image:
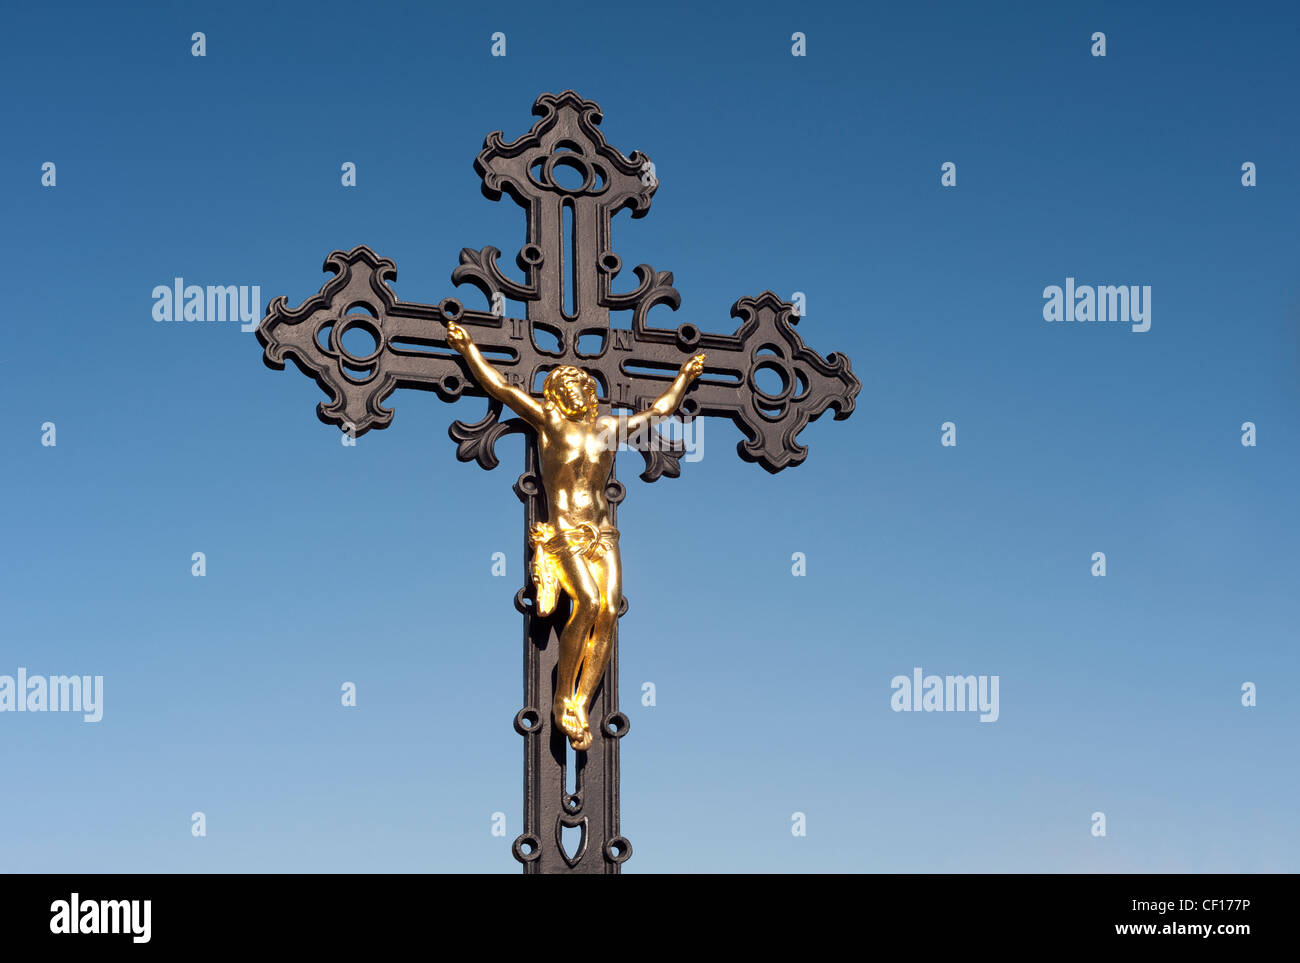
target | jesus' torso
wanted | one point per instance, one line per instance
(576, 458)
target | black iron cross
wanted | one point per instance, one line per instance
(571, 183)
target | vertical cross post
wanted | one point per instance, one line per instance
(562, 788)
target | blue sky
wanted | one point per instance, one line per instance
(818, 174)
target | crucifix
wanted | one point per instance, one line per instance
(553, 368)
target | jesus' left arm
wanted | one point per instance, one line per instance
(668, 402)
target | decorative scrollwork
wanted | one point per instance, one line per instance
(294, 333)
(476, 441)
(479, 268)
(566, 120)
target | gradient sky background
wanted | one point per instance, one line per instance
(820, 174)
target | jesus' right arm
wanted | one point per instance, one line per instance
(491, 380)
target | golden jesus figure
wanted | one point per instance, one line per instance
(577, 547)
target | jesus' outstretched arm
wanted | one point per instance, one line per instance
(490, 379)
(668, 402)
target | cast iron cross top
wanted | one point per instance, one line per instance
(571, 183)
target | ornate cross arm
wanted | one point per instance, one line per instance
(410, 348)
(410, 351)
(766, 341)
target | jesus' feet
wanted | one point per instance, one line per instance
(573, 720)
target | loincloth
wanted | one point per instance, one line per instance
(550, 545)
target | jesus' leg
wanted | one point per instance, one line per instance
(581, 586)
(608, 574)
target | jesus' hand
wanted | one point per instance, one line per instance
(693, 368)
(457, 337)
